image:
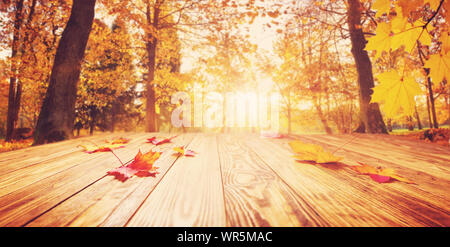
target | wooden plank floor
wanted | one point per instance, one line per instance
(235, 180)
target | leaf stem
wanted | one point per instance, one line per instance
(117, 157)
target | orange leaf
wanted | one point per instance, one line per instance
(379, 174)
(121, 141)
(182, 151)
(105, 148)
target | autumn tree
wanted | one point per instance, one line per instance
(419, 28)
(32, 43)
(372, 121)
(107, 74)
(57, 115)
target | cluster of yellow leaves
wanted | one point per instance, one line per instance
(14, 145)
(397, 89)
(312, 152)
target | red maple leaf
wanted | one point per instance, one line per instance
(154, 141)
(141, 166)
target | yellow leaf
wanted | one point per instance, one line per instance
(179, 150)
(381, 6)
(396, 92)
(439, 66)
(387, 172)
(445, 42)
(407, 35)
(312, 152)
(399, 23)
(382, 40)
(392, 173)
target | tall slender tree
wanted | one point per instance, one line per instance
(14, 86)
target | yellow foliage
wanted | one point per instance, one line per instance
(381, 6)
(312, 152)
(382, 40)
(439, 65)
(14, 145)
(397, 93)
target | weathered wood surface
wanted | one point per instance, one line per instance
(235, 180)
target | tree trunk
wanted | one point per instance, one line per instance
(151, 45)
(322, 117)
(113, 117)
(410, 123)
(430, 122)
(369, 112)
(431, 97)
(57, 114)
(389, 125)
(14, 85)
(419, 124)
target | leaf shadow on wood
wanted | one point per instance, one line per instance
(332, 166)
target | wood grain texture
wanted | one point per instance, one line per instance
(23, 205)
(110, 202)
(18, 159)
(47, 167)
(404, 204)
(254, 194)
(235, 180)
(190, 194)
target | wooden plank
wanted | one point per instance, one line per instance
(402, 152)
(23, 205)
(367, 202)
(30, 174)
(22, 153)
(191, 192)
(254, 194)
(110, 202)
(12, 161)
(429, 172)
(327, 197)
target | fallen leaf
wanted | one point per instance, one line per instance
(380, 178)
(313, 152)
(273, 135)
(379, 174)
(141, 166)
(105, 148)
(154, 141)
(186, 152)
(121, 141)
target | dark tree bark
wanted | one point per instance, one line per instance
(419, 123)
(371, 119)
(57, 114)
(15, 89)
(431, 97)
(430, 122)
(151, 45)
